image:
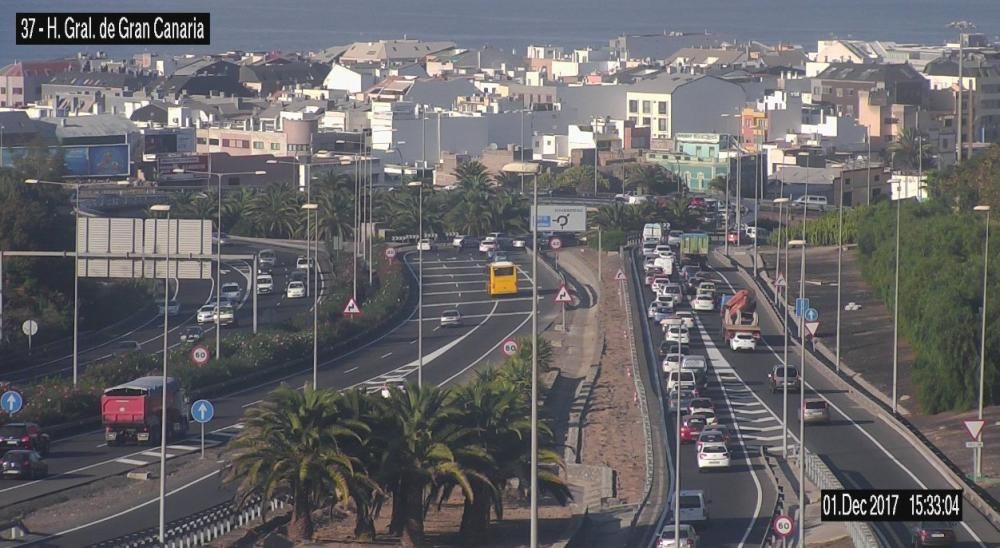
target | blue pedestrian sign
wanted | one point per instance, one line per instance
(801, 305)
(11, 401)
(812, 315)
(202, 411)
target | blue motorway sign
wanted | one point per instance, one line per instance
(812, 315)
(11, 401)
(202, 411)
(801, 305)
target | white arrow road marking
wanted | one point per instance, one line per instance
(132, 462)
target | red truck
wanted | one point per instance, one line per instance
(738, 315)
(131, 412)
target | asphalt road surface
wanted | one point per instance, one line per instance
(452, 280)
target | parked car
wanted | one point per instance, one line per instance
(777, 379)
(934, 533)
(24, 435)
(295, 290)
(685, 534)
(191, 334)
(816, 411)
(173, 308)
(232, 291)
(24, 464)
(743, 341)
(451, 318)
(713, 456)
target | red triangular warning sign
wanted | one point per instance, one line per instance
(974, 427)
(620, 276)
(352, 308)
(780, 281)
(563, 295)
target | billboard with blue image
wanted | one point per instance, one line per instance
(81, 161)
(108, 161)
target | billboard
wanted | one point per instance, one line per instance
(560, 218)
(83, 160)
(133, 241)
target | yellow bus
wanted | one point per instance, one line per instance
(503, 279)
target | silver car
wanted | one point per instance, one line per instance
(451, 318)
(816, 411)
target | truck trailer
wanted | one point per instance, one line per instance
(132, 412)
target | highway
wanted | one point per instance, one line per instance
(452, 280)
(190, 294)
(860, 448)
(741, 497)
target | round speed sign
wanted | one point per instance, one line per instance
(390, 252)
(199, 355)
(510, 347)
(783, 526)
(555, 243)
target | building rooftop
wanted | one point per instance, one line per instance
(665, 83)
(393, 50)
(973, 66)
(99, 125)
(97, 80)
(869, 72)
(34, 68)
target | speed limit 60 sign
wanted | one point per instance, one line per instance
(510, 347)
(199, 355)
(783, 526)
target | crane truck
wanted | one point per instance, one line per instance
(739, 315)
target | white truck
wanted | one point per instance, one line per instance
(665, 263)
(655, 231)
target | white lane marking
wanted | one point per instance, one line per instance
(413, 341)
(183, 447)
(134, 508)
(854, 423)
(490, 301)
(467, 316)
(426, 294)
(386, 355)
(717, 358)
(436, 328)
(133, 462)
(355, 368)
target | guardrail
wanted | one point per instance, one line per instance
(862, 535)
(201, 528)
(979, 497)
(771, 539)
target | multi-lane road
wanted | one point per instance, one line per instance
(859, 447)
(452, 280)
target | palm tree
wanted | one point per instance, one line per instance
(615, 216)
(421, 436)
(472, 174)
(276, 211)
(649, 179)
(908, 150)
(681, 216)
(293, 443)
(508, 181)
(336, 213)
(719, 184)
(236, 210)
(508, 213)
(471, 215)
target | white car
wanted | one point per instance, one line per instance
(295, 290)
(267, 257)
(693, 506)
(677, 333)
(671, 362)
(673, 289)
(703, 303)
(695, 363)
(686, 317)
(519, 243)
(304, 263)
(227, 315)
(486, 247)
(675, 237)
(265, 284)
(714, 455)
(451, 318)
(456, 242)
(711, 420)
(425, 245)
(715, 436)
(685, 535)
(663, 250)
(665, 299)
(651, 311)
(708, 287)
(231, 292)
(662, 312)
(649, 249)
(173, 308)
(658, 282)
(206, 314)
(743, 341)
(685, 379)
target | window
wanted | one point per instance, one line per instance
(852, 92)
(661, 124)
(200, 140)
(18, 91)
(225, 142)
(244, 144)
(840, 92)
(3, 90)
(275, 146)
(646, 107)
(633, 105)
(258, 145)
(213, 141)
(646, 121)
(633, 119)
(662, 106)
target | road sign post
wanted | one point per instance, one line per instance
(390, 253)
(812, 327)
(782, 526)
(29, 328)
(11, 401)
(352, 309)
(555, 243)
(563, 297)
(200, 355)
(975, 429)
(620, 277)
(202, 411)
(801, 305)
(812, 315)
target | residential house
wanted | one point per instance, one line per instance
(700, 60)
(840, 83)
(353, 79)
(267, 79)
(981, 91)
(21, 82)
(700, 157)
(658, 46)
(91, 92)
(683, 103)
(392, 52)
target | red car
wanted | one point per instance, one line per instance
(657, 273)
(690, 429)
(733, 238)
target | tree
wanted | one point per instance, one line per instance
(292, 443)
(616, 216)
(681, 216)
(908, 152)
(511, 181)
(581, 178)
(508, 213)
(276, 211)
(472, 174)
(650, 179)
(719, 184)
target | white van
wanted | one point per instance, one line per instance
(265, 284)
(687, 381)
(811, 201)
(753, 231)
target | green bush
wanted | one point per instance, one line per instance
(611, 240)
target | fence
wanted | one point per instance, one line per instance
(200, 528)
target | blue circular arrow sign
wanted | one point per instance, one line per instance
(202, 411)
(11, 401)
(812, 315)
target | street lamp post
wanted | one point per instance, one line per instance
(802, 393)
(534, 365)
(76, 264)
(784, 363)
(977, 471)
(895, 315)
(420, 280)
(311, 207)
(840, 260)
(777, 248)
(165, 208)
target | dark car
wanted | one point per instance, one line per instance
(934, 533)
(23, 463)
(670, 348)
(24, 435)
(562, 191)
(777, 380)
(297, 276)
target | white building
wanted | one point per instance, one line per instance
(684, 103)
(908, 186)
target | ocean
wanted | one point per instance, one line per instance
(305, 25)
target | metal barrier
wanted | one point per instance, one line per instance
(200, 528)
(862, 535)
(771, 538)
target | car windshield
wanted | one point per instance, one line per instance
(450, 314)
(8, 430)
(792, 372)
(690, 501)
(710, 437)
(815, 405)
(695, 422)
(230, 287)
(296, 285)
(668, 532)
